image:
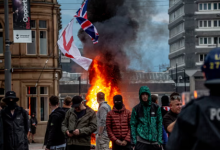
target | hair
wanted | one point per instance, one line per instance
(154, 98)
(67, 100)
(54, 100)
(174, 94)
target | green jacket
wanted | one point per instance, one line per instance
(146, 120)
(87, 124)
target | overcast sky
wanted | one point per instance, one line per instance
(159, 50)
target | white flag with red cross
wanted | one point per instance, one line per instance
(68, 48)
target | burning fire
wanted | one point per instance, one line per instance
(102, 80)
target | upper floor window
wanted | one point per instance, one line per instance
(209, 23)
(176, 14)
(177, 45)
(209, 6)
(209, 41)
(39, 37)
(173, 2)
(176, 30)
(202, 57)
(1, 40)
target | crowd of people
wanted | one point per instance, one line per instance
(147, 127)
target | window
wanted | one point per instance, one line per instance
(32, 99)
(215, 6)
(209, 23)
(31, 47)
(202, 57)
(1, 40)
(215, 23)
(215, 40)
(209, 6)
(43, 42)
(201, 41)
(205, 6)
(176, 30)
(176, 14)
(177, 45)
(200, 23)
(44, 104)
(42, 24)
(209, 40)
(200, 7)
(39, 38)
(205, 23)
(205, 40)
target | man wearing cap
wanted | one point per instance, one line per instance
(102, 140)
(79, 124)
(198, 124)
(15, 124)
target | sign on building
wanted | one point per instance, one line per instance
(21, 21)
(65, 59)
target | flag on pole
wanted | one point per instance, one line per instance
(68, 48)
(87, 26)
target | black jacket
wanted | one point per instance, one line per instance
(15, 129)
(163, 111)
(198, 126)
(33, 120)
(54, 135)
(1, 133)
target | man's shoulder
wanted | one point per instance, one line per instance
(89, 110)
(138, 106)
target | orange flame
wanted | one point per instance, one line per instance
(195, 94)
(101, 83)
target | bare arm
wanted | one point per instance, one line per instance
(170, 127)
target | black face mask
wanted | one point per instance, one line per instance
(11, 105)
(118, 105)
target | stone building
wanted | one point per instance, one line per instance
(36, 70)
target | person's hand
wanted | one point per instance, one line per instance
(69, 134)
(124, 143)
(76, 132)
(118, 142)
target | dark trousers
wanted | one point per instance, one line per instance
(142, 146)
(77, 147)
(118, 147)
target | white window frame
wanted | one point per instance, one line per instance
(39, 42)
(212, 6)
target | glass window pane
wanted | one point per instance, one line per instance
(201, 57)
(43, 90)
(32, 105)
(31, 90)
(205, 23)
(205, 6)
(31, 47)
(1, 43)
(43, 108)
(33, 24)
(215, 6)
(209, 6)
(210, 23)
(200, 6)
(2, 91)
(205, 40)
(215, 40)
(215, 23)
(0, 26)
(43, 42)
(200, 23)
(209, 40)
(43, 24)
(218, 5)
(219, 23)
(201, 41)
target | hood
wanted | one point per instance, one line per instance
(145, 89)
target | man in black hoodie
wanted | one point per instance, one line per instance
(54, 138)
(198, 124)
(15, 124)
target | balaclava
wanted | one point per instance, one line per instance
(11, 104)
(119, 103)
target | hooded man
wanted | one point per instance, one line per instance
(118, 125)
(15, 124)
(146, 123)
(198, 124)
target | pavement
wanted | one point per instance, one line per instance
(36, 146)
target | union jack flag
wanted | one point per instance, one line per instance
(86, 25)
(167, 108)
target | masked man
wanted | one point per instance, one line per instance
(15, 124)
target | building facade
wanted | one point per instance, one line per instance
(36, 69)
(194, 30)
